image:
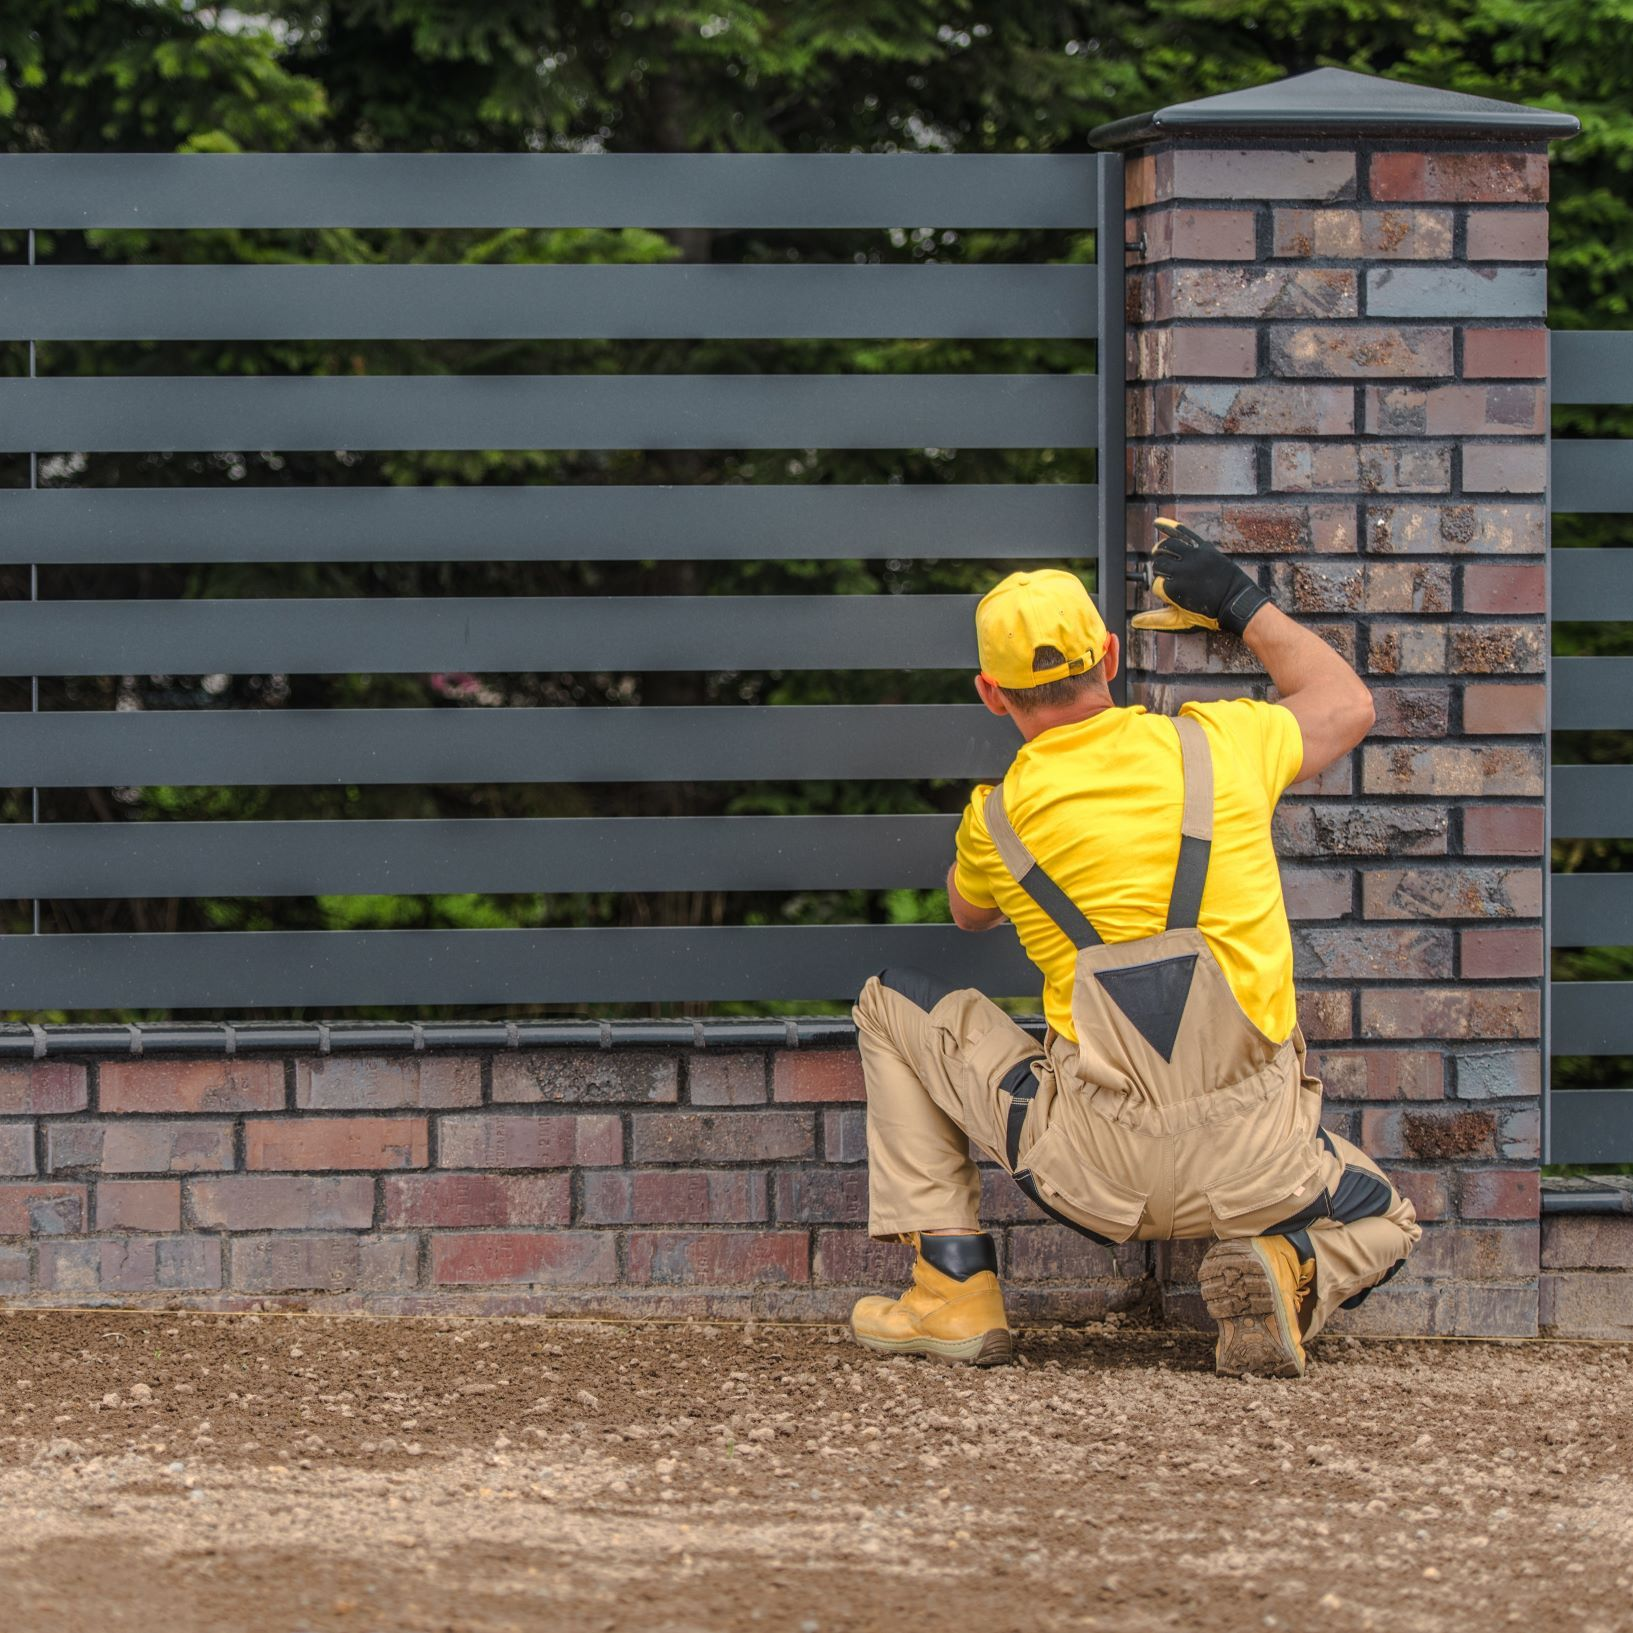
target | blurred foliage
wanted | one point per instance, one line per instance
(663, 75)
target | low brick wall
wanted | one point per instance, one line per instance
(1587, 1276)
(621, 1182)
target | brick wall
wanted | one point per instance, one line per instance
(617, 1182)
(1338, 359)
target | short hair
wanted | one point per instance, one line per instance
(1053, 694)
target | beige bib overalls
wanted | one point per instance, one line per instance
(1172, 1116)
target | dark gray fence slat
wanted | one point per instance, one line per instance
(1591, 366)
(521, 633)
(548, 190)
(1590, 1018)
(1591, 1125)
(200, 414)
(546, 302)
(1590, 476)
(291, 747)
(1592, 910)
(1591, 801)
(236, 971)
(1592, 585)
(1592, 694)
(985, 521)
(117, 860)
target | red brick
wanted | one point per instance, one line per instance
(138, 1204)
(717, 1258)
(818, 1074)
(851, 1258)
(16, 1148)
(1255, 173)
(1456, 411)
(365, 1083)
(191, 1085)
(564, 1140)
(42, 1087)
(1499, 1193)
(1500, 955)
(1317, 893)
(1456, 892)
(302, 1143)
(1502, 587)
(140, 1146)
(14, 1270)
(1324, 1013)
(1505, 354)
(1581, 1241)
(1199, 235)
(1587, 1305)
(1492, 467)
(1450, 1012)
(1193, 468)
(726, 1080)
(1372, 235)
(572, 1258)
(1359, 586)
(1486, 1312)
(1459, 178)
(1497, 649)
(1508, 235)
(327, 1264)
(1373, 351)
(1452, 769)
(1411, 711)
(1380, 1074)
(586, 1077)
(1456, 529)
(1361, 830)
(845, 1135)
(1215, 351)
(1337, 778)
(41, 1210)
(727, 1136)
(1053, 1253)
(1505, 710)
(1496, 1253)
(69, 1267)
(1428, 1133)
(1262, 408)
(1503, 830)
(675, 1197)
(1427, 1189)
(471, 1201)
(153, 1264)
(837, 1196)
(282, 1202)
(1352, 952)
(1360, 467)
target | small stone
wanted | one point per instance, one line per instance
(141, 1394)
(1430, 1574)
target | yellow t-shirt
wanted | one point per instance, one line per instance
(1098, 803)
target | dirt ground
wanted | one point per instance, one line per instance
(286, 1473)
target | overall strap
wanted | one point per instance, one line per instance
(1056, 904)
(1196, 827)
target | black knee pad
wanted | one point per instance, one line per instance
(914, 985)
(1359, 1195)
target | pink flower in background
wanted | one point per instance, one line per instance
(456, 684)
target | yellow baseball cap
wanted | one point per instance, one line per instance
(1029, 610)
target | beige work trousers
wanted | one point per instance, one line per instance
(933, 1078)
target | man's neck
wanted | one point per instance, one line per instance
(1034, 723)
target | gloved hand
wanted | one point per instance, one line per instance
(1202, 586)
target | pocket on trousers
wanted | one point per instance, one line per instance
(1268, 1191)
(1067, 1182)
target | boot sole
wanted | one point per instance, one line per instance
(988, 1349)
(1240, 1292)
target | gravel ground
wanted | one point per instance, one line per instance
(279, 1473)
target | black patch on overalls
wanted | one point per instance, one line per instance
(915, 986)
(1359, 1195)
(1153, 997)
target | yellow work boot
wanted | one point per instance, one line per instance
(954, 1309)
(1256, 1288)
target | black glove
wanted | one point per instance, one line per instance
(1202, 586)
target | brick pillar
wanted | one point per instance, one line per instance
(1337, 364)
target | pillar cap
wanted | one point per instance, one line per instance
(1337, 102)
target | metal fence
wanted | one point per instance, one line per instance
(1591, 801)
(238, 970)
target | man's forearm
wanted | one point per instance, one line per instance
(1332, 704)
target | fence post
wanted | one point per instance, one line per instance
(1337, 364)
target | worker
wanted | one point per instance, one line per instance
(1170, 1096)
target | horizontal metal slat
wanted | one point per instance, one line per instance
(1590, 1125)
(1590, 1018)
(200, 414)
(546, 302)
(1591, 910)
(1592, 694)
(1591, 366)
(122, 860)
(549, 190)
(782, 522)
(1592, 585)
(522, 633)
(236, 970)
(292, 747)
(1591, 801)
(1590, 476)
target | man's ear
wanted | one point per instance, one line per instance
(1112, 659)
(989, 694)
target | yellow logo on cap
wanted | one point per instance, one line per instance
(1028, 610)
